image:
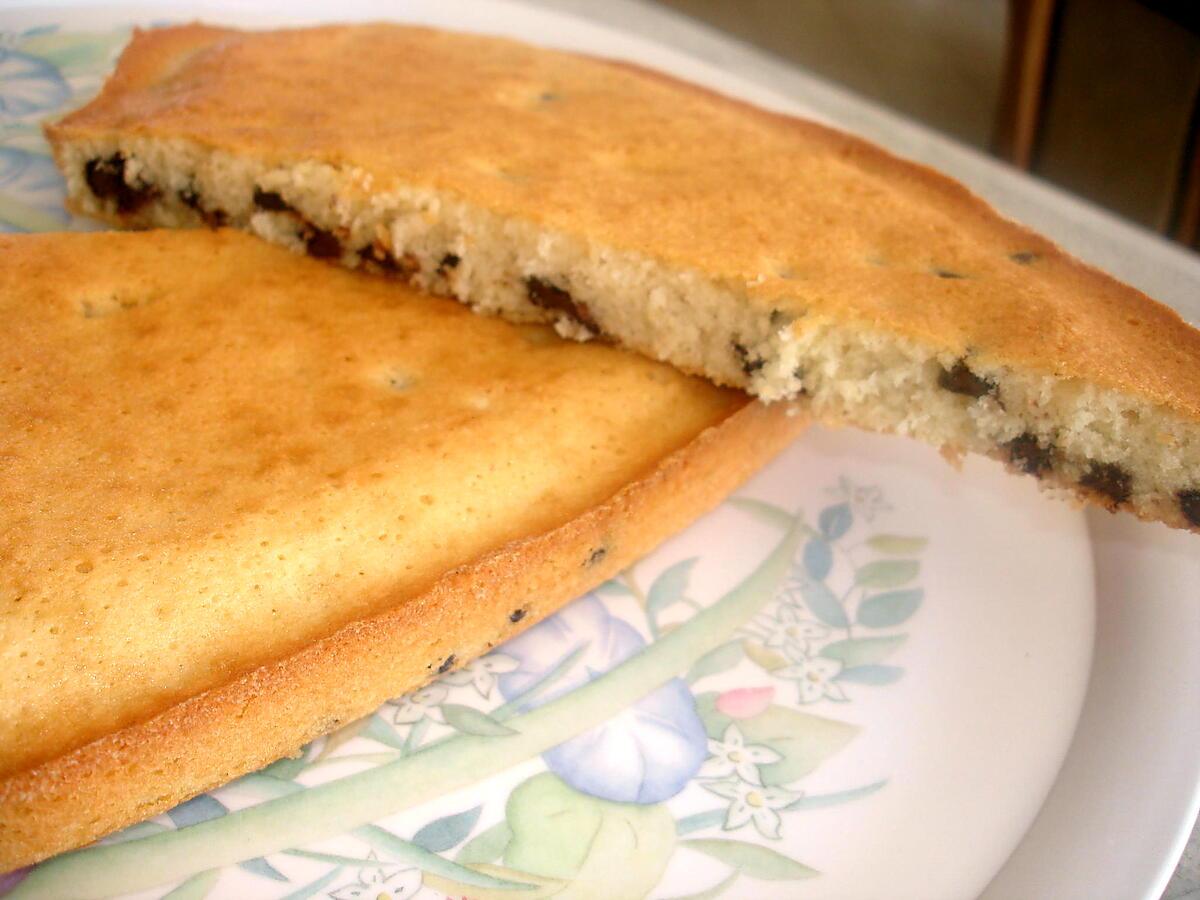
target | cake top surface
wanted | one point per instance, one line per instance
(800, 218)
(213, 452)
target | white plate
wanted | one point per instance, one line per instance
(911, 767)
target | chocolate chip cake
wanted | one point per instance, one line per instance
(245, 497)
(759, 250)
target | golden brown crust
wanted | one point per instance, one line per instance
(807, 219)
(197, 430)
(270, 712)
(1134, 343)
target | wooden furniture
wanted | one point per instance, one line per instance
(1167, 198)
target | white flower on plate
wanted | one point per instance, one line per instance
(752, 803)
(791, 632)
(733, 756)
(422, 704)
(814, 676)
(866, 500)
(482, 672)
(375, 885)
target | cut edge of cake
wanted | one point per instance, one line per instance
(1100, 444)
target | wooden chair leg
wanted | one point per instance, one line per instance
(1187, 199)
(1027, 57)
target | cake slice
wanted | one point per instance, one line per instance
(761, 251)
(245, 497)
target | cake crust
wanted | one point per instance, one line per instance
(248, 496)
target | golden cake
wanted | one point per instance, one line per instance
(759, 250)
(245, 496)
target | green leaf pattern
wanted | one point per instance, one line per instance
(827, 634)
(753, 860)
(447, 832)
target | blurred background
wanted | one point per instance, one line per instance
(1099, 96)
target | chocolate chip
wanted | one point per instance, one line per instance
(106, 178)
(546, 295)
(322, 244)
(446, 665)
(748, 364)
(406, 266)
(798, 375)
(1024, 257)
(516, 615)
(1189, 503)
(946, 273)
(189, 198)
(1027, 454)
(131, 199)
(449, 261)
(213, 218)
(1110, 480)
(377, 255)
(597, 556)
(961, 380)
(271, 201)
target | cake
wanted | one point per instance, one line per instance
(760, 251)
(246, 496)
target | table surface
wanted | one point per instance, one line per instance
(1161, 269)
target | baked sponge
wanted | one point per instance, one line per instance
(758, 250)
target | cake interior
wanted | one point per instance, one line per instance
(1115, 449)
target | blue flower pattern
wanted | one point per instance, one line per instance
(34, 88)
(34, 179)
(646, 754)
(29, 85)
